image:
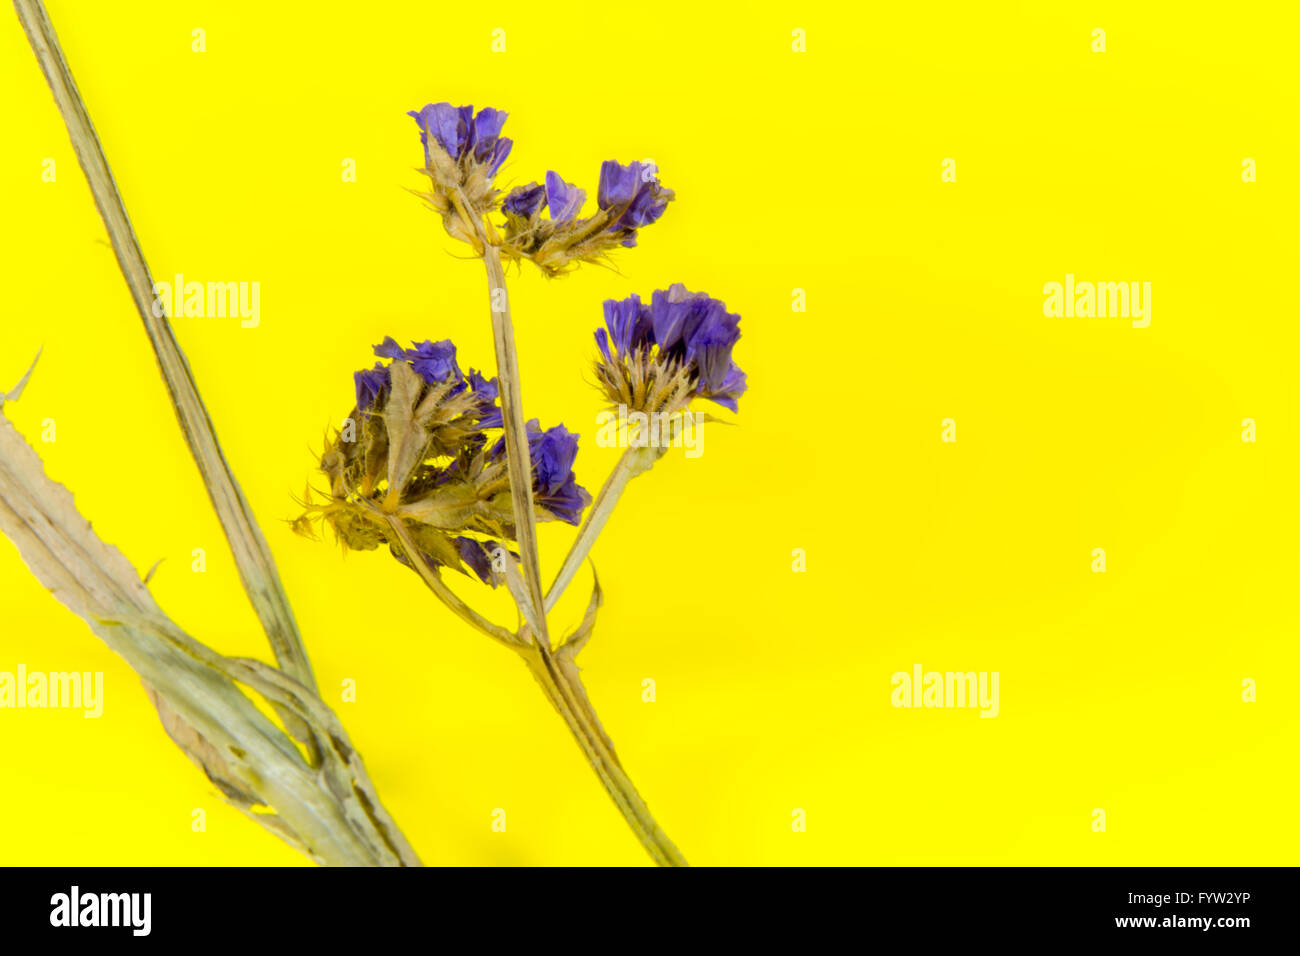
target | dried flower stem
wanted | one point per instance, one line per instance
(557, 674)
(519, 461)
(435, 584)
(555, 669)
(633, 462)
(324, 804)
(253, 558)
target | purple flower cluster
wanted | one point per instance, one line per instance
(462, 133)
(555, 486)
(524, 201)
(463, 152)
(687, 327)
(553, 451)
(564, 200)
(433, 362)
(632, 194)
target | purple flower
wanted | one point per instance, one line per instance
(447, 124)
(618, 183)
(552, 453)
(555, 487)
(487, 142)
(460, 133)
(634, 194)
(434, 361)
(485, 390)
(389, 348)
(678, 314)
(371, 384)
(474, 555)
(688, 326)
(477, 555)
(629, 327)
(563, 199)
(698, 327)
(524, 201)
(733, 386)
(701, 330)
(567, 502)
(710, 347)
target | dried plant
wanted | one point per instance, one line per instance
(303, 780)
(418, 465)
(438, 465)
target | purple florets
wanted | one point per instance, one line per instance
(477, 556)
(633, 194)
(552, 451)
(433, 362)
(485, 390)
(555, 486)
(690, 327)
(564, 200)
(523, 201)
(629, 327)
(461, 133)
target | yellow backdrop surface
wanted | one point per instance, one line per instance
(807, 146)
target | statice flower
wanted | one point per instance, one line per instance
(628, 198)
(555, 486)
(371, 386)
(462, 135)
(564, 200)
(632, 197)
(657, 357)
(463, 152)
(487, 393)
(524, 201)
(423, 448)
(433, 361)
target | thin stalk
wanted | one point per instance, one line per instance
(570, 699)
(554, 670)
(445, 594)
(253, 558)
(628, 467)
(518, 458)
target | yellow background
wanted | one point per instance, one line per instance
(818, 171)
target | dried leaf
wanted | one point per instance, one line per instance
(14, 393)
(328, 809)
